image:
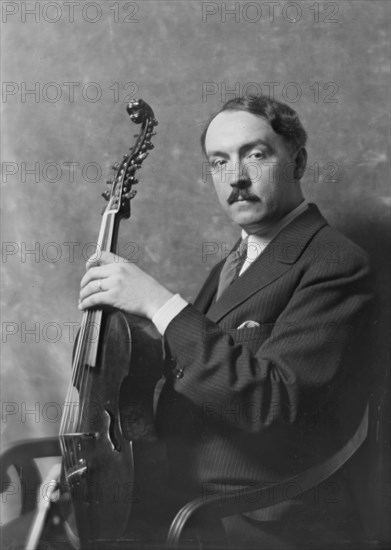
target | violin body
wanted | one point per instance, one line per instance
(100, 457)
(105, 489)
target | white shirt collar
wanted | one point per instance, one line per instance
(268, 236)
(258, 242)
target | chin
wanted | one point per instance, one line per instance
(247, 220)
(248, 216)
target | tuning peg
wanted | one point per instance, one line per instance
(131, 180)
(106, 195)
(150, 146)
(115, 166)
(109, 182)
(131, 194)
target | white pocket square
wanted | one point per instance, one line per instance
(248, 324)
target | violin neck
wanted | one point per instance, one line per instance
(92, 320)
(108, 234)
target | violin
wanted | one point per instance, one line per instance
(109, 401)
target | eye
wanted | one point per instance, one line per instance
(218, 162)
(257, 155)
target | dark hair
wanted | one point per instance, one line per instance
(284, 120)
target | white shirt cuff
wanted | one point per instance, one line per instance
(167, 312)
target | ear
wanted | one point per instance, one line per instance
(300, 163)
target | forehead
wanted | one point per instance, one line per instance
(230, 130)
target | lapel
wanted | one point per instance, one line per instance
(277, 258)
(209, 289)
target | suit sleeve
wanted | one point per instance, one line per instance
(302, 357)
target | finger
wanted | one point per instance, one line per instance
(94, 300)
(94, 273)
(101, 257)
(94, 287)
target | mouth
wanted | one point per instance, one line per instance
(243, 198)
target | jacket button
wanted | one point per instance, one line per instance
(179, 373)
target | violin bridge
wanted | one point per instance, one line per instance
(82, 435)
(76, 471)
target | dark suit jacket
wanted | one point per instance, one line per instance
(266, 402)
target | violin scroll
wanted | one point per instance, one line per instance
(138, 111)
(120, 193)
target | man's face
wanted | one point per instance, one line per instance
(252, 169)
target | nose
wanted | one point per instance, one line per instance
(241, 183)
(240, 177)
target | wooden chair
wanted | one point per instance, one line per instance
(198, 512)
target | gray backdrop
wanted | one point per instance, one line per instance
(68, 70)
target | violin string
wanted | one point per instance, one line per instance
(78, 383)
(82, 365)
(93, 327)
(89, 361)
(91, 342)
(79, 377)
(73, 411)
(67, 420)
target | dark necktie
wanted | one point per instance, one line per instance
(231, 268)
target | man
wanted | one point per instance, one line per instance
(262, 375)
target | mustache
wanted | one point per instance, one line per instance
(238, 192)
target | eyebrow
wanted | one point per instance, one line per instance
(243, 148)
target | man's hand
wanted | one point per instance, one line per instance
(112, 281)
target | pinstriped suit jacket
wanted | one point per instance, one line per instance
(266, 402)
